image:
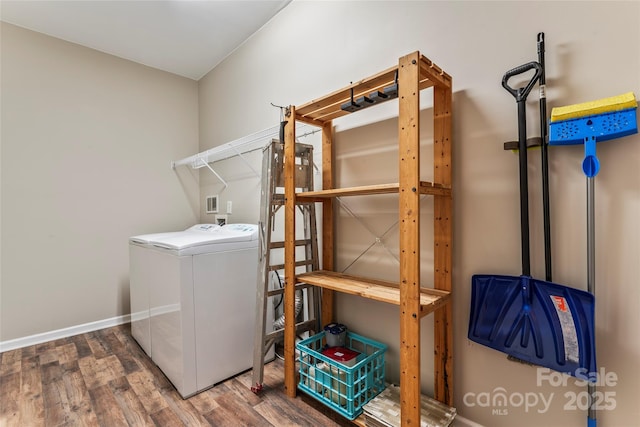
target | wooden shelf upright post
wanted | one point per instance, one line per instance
(327, 218)
(443, 244)
(289, 251)
(409, 210)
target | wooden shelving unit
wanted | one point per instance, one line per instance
(413, 74)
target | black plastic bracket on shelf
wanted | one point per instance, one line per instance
(375, 97)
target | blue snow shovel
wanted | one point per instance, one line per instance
(535, 321)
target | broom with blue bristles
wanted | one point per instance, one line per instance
(589, 123)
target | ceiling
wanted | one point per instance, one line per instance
(187, 38)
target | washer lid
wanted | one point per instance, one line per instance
(225, 234)
(146, 239)
(204, 228)
(239, 232)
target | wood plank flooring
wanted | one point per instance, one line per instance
(103, 378)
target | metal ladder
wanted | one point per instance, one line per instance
(271, 254)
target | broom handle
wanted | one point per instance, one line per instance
(545, 161)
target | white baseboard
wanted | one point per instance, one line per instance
(63, 333)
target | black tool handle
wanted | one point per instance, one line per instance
(521, 94)
(282, 126)
(524, 187)
(544, 161)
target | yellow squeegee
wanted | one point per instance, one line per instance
(591, 122)
(625, 101)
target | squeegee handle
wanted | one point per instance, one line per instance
(520, 94)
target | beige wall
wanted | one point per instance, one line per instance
(87, 140)
(593, 51)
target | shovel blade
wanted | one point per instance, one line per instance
(539, 322)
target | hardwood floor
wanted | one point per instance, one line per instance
(103, 378)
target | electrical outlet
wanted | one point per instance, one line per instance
(229, 206)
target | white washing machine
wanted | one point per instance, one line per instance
(142, 274)
(201, 303)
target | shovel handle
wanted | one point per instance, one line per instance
(521, 94)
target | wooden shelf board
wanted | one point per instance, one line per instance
(331, 102)
(430, 71)
(327, 108)
(379, 290)
(365, 190)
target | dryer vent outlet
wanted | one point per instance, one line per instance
(212, 204)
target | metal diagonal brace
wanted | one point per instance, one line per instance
(378, 239)
(204, 162)
(246, 162)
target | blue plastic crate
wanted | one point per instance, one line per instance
(345, 389)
